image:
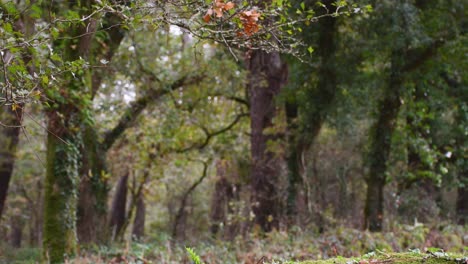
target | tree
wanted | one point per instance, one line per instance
(267, 76)
(68, 112)
(307, 112)
(9, 130)
(11, 112)
(404, 59)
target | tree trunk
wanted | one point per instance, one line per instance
(319, 100)
(65, 139)
(226, 191)
(94, 189)
(267, 75)
(16, 233)
(403, 60)
(9, 137)
(381, 139)
(118, 210)
(293, 160)
(178, 228)
(138, 230)
(462, 199)
(92, 203)
(218, 202)
(61, 184)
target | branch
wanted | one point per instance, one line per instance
(137, 106)
(185, 197)
(209, 135)
(239, 100)
(422, 57)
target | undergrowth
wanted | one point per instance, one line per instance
(275, 247)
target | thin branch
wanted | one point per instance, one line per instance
(185, 196)
(55, 135)
(209, 135)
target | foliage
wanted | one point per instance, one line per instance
(301, 245)
(177, 80)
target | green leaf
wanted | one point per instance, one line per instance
(36, 12)
(8, 28)
(45, 80)
(310, 49)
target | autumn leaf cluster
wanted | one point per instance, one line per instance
(248, 18)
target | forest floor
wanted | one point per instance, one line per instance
(444, 244)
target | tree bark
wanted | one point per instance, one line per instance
(92, 203)
(61, 184)
(65, 140)
(226, 191)
(403, 61)
(462, 198)
(320, 97)
(138, 230)
(218, 201)
(16, 232)
(267, 75)
(293, 160)
(9, 138)
(178, 228)
(118, 210)
(381, 138)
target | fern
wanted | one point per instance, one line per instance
(194, 256)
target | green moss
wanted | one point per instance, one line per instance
(61, 197)
(394, 258)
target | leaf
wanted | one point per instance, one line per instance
(14, 107)
(45, 80)
(207, 18)
(7, 27)
(228, 6)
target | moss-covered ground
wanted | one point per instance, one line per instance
(394, 258)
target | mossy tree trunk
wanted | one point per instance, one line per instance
(64, 139)
(61, 185)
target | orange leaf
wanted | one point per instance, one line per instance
(207, 18)
(228, 6)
